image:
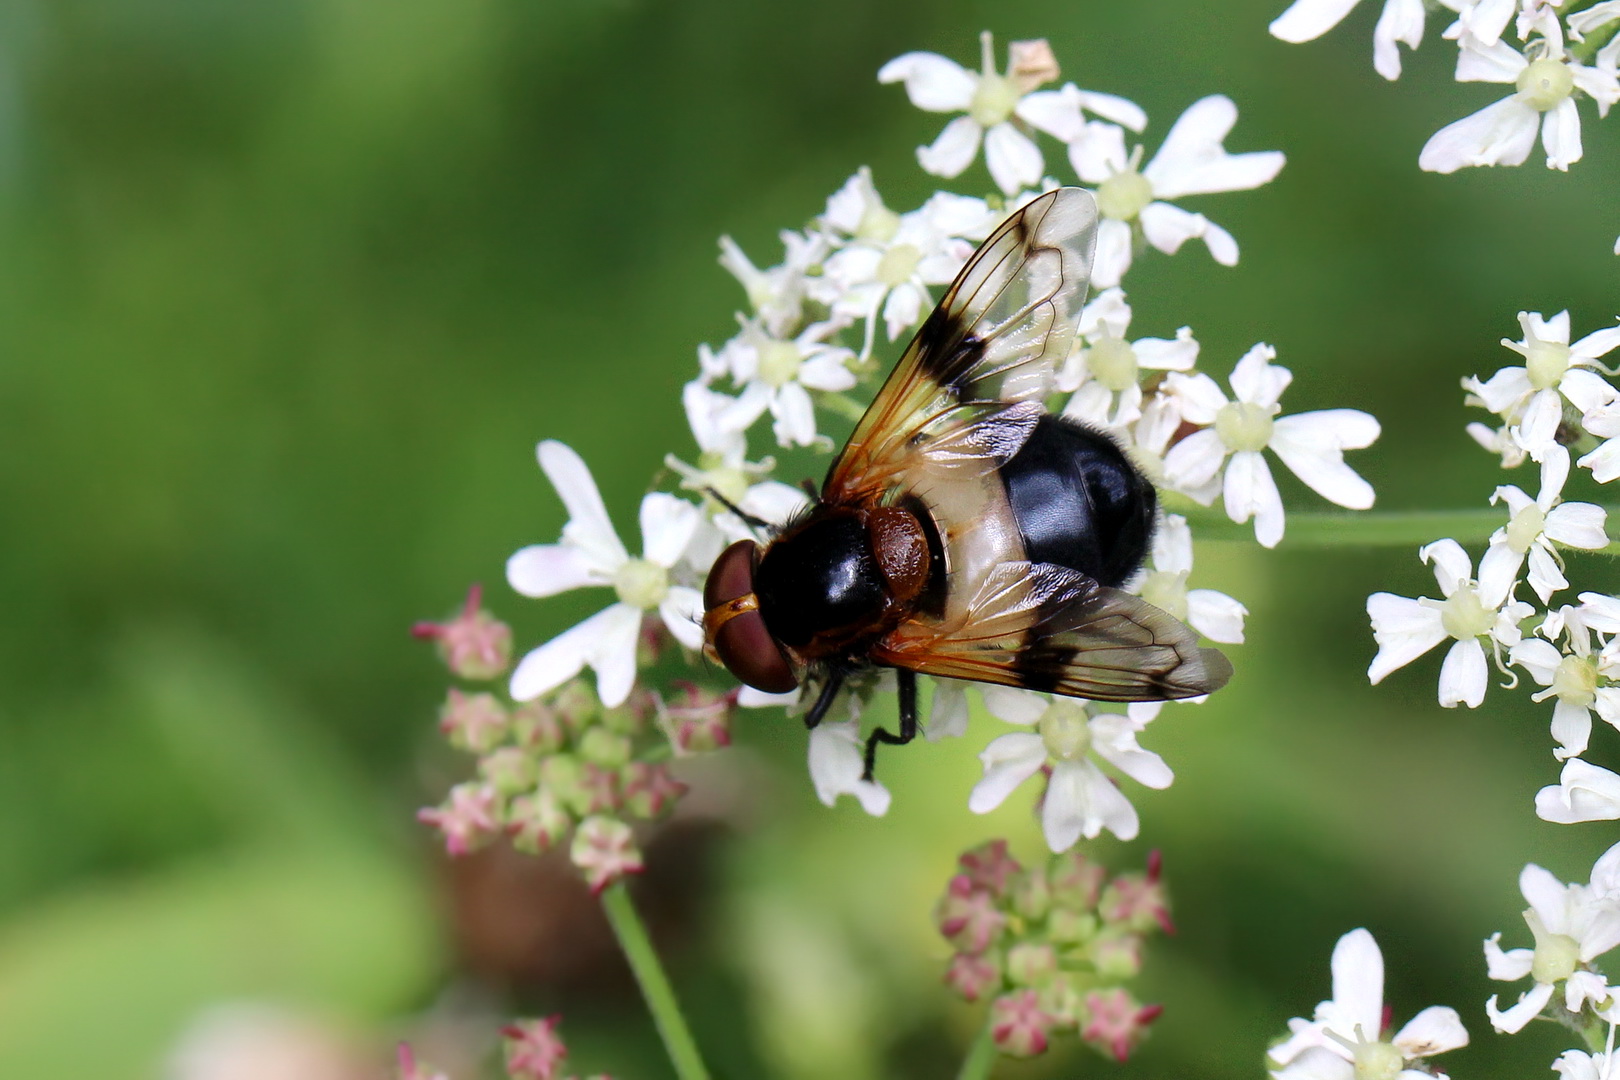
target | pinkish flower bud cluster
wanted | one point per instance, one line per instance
(532, 1051)
(1049, 946)
(562, 766)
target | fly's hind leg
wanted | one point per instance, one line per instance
(907, 681)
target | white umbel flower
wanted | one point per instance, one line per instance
(778, 374)
(1105, 369)
(1531, 397)
(1473, 612)
(1191, 161)
(1080, 798)
(1535, 525)
(1572, 926)
(996, 105)
(1344, 1040)
(1213, 614)
(1311, 444)
(1401, 21)
(1545, 79)
(590, 553)
(777, 293)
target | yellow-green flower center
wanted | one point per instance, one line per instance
(1525, 527)
(878, 223)
(898, 264)
(1544, 83)
(1546, 364)
(1123, 195)
(1065, 730)
(1464, 617)
(1378, 1061)
(1167, 592)
(1112, 362)
(1558, 956)
(1575, 680)
(1245, 426)
(779, 363)
(993, 101)
(641, 584)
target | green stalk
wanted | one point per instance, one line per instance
(655, 988)
(1388, 528)
(981, 1056)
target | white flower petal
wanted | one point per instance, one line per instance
(1528, 1008)
(1404, 630)
(1358, 983)
(1251, 492)
(1113, 255)
(954, 149)
(1312, 445)
(1306, 20)
(1098, 153)
(948, 713)
(1195, 460)
(1192, 160)
(1216, 616)
(667, 525)
(1584, 792)
(1463, 675)
(1401, 20)
(1548, 895)
(1507, 966)
(933, 82)
(836, 762)
(682, 612)
(1081, 801)
(1009, 760)
(606, 640)
(1561, 135)
(1452, 567)
(1014, 160)
(1256, 379)
(1499, 134)
(1432, 1031)
(1013, 705)
(549, 569)
(1117, 109)
(588, 526)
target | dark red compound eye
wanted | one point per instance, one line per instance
(740, 639)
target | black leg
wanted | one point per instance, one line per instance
(907, 681)
(749, 519)
(824, 700)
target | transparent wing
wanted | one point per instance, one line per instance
(995, 340)
(1044, 627)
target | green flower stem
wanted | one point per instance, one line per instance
(655, 988)
(1388, 528)
(981, 1056)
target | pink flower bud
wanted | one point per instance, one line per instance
(967, 916)
(631, 717)
(537, 728)
(509, 769)
(537, 822)
(411, 1069)
(469, 818)
(973, 976)
(698, 719)
(650, 789)
(989, 866)
(1138, 901)
(1076, 881)
(1030, 894)
(1117, 956)
(601, 788)
(599, 746)
(1116, 1023)
(1069, 927)
(534, 1050)
(606, 851)
(1018, 1024)
(476, 723)
(577, 704)
(1031, 963)
(474, 645)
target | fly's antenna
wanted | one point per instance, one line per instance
(749, 519)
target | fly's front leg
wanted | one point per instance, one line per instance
(907, 681)
(824, 700)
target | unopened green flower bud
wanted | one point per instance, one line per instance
(1066, 926)
(509, 769)
(564, 776)
(629, 718)
(1117, 956)
(538, 728)
(1031, 963)
(605, 748)
(1076, 881)
(577, 704)
(537, 822)
(1031, 896)
(476, 723)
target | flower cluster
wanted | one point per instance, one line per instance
(1564, 52)
(1051, 946)
(567, 765)
(532, 1051)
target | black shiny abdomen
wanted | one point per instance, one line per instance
(1079, 501)
(819, 578)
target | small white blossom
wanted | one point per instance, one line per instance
(1584, 792)
(1400, 21)
(1311, 444)
(723, 470)
(1535, 525)
(1572, 678)
(1105, 370)
(1080, 799)
(1213, 614)
(890, 260)
(1572, 926)
(1191, 161)
(948, 714)
(1472, 611)
(836, 763)
(1604, 422)
(1531, 398)
(777, 294)
(1498, 440)
(778, 374)
(1344, 1040)
(996, 106)
(591, 553)
(1545, 79)
(1580, 1065)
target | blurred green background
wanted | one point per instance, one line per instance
(288, 292)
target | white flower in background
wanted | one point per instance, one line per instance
(1192, 161)
(1572, 925)
(1213, 614)
(590, 553)
(836, 762)
(890, 259)
(777, 294)
(1580, 1065)
(1405, 629)
(778, 374)
(1401, 20)
(995, 105)
(1105, 370)
(1498, 440)
(1598, 15)
(1080, 798)
(1584, 792)
(1572, 678)
(722, 469)
(1531, 398)
(1311, 444)
(1485, 20)
(1544, 79)
(1604, 422)
(1535, 525)
(948, 714)
(1344, 1039)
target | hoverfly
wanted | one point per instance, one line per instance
(964, 531)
